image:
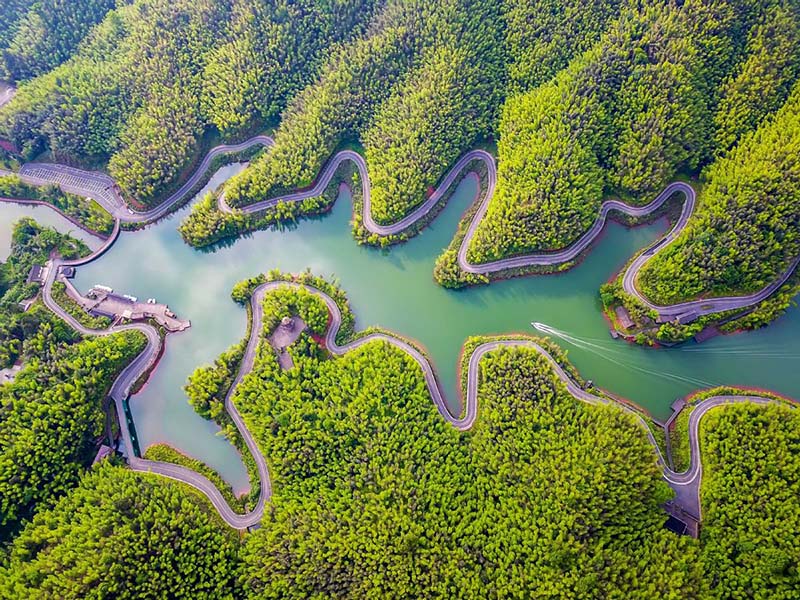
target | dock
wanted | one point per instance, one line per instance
(101, 301)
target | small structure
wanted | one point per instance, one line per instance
(677, 405)
(36, 274)
(706, 334)
(101, 302)
(284, 336)
(681, 521)
(624, 317)
(26, 304)
(102, 453)
(65, 271)
(8, 375)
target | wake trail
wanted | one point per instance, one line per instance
(606, 354)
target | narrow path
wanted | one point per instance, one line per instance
(685, 484)
(685, 311)
(102, 188)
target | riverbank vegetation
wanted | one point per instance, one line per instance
(362, 464)
(31, 244)
(83, 210)
(54, 410)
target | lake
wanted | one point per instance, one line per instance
(395, 289)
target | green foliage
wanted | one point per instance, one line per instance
(435, 116)
(126, 535)
(363, 466)
(762, 82)
(59, 294)
(85, 211)
(543, 35)
(31, 245)
(45, 34)
(746, 229)
(271, 50)
(154, 75)
(52, 415)
(355, 80)
(208, 385)
(751, 459)
(626, 115)
(166, 453)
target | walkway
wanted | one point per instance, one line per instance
(102, 188)
(686, 485)
(685, 311)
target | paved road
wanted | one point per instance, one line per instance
(7, 92)
(102, 188)
(685, 484)
(685, 311)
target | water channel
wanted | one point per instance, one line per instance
(395, 289)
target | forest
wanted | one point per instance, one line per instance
(665, 90)
(53, 412)
(746, 230)
(120, 534)
(375, 495)
(751, 458)
(364, 466)
(584, 99)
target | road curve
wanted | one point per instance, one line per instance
(102, 188)
(685, 311)
(685, 484)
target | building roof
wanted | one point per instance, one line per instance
(36, 274)
(623, 317)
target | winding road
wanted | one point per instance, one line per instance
(686, 484)
(102, 188)
(684, 312)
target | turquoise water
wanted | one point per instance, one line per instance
(11, 213)
(395, 289)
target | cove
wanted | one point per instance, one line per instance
(395, 289)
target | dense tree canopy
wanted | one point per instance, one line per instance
(53, 411)
(120, 534)
(625, 116)
(38, 36)
(751, 459)
(376, 496)
(746, 229)
(153, 75)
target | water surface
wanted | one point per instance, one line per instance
(395, 289)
